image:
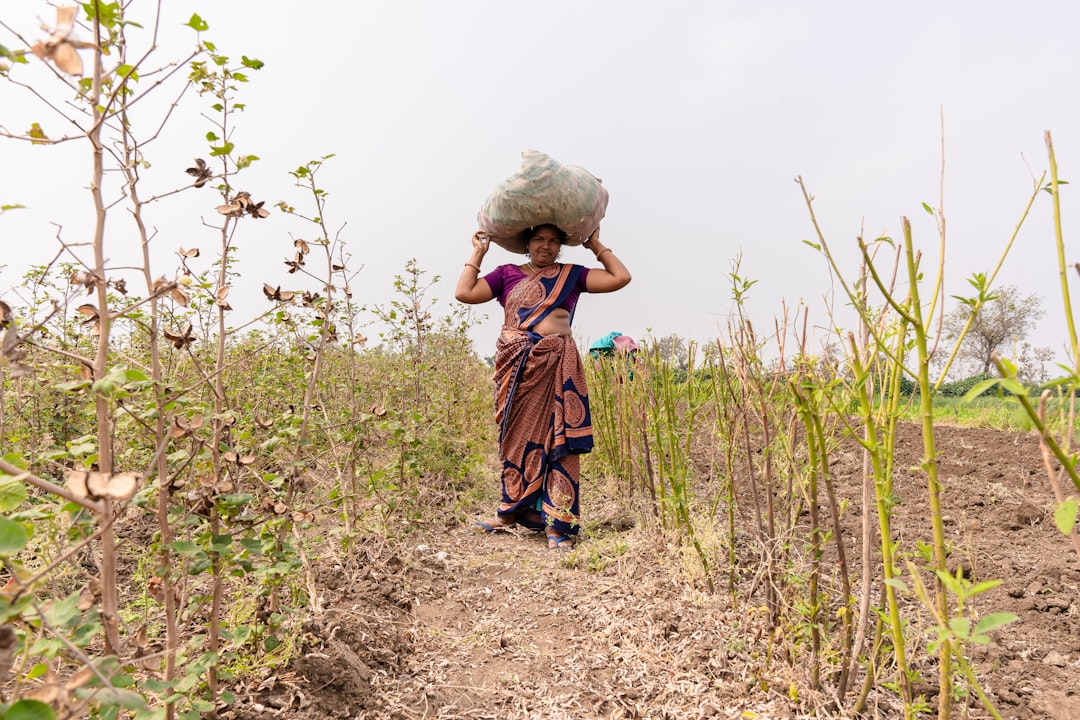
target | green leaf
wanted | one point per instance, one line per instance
(241, 635)
(1014, 386)
(994, 621)
(185, 547)
(82, 448)
(204, 662)
(223, 149)
(1049, 187)
(12, 493)
(13, 610)
(186, 683)
(813, 245)
(113, 696)
(73, 386)
(220, 543)
(952, 582)
(37, 135)
(15, 459)
(982, 587)
(236, 500)
(128, 71)
(48, 647)
(13, 537)
(961, 627)
(897, 584)
(1065, 515)
(252, 545)
(106, 13)
(37, 671)
(105, 387)
(197, 24)
(61, 613)
(155, 714)
(979, 388)
(251, 62)
(156, 686)
(928, 209)
(30, 710)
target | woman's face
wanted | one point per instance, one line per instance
(544, 246)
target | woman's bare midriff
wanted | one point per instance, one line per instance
(556, 323)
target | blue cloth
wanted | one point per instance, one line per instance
(607, 342)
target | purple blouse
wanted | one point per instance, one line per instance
(502, 280)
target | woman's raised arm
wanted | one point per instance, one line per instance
(471, 288)
(614, 276)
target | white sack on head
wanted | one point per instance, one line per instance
(543, 191)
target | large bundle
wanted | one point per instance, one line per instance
(543, 191)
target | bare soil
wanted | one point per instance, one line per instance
(451, 624)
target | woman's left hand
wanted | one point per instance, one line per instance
(593, 242)
(613, 275)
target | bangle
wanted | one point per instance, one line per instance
(602, 252)
(475, 267)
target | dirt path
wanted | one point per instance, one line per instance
(523, 631)
(452, 624)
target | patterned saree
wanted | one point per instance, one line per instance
(541, 404)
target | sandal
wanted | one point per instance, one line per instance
(560, 542)
(491, 528)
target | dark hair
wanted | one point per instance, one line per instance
(531, 232)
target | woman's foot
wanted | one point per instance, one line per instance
(558, 541)
(531, 519)
(496, 525)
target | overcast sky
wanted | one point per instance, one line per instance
(697, 116)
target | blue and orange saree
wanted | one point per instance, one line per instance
(541, 404)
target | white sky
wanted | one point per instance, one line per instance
(697, 115)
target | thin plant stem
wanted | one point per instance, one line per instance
(929, 464)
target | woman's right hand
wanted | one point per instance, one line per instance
(472, 288)
(480, 243)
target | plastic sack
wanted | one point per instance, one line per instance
(543, 191)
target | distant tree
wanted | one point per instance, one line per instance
(1002, 322)
(1031, 364)
(672, 349)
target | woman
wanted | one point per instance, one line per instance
(541, 402)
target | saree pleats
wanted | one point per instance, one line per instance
(541, 405)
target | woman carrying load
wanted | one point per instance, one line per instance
(541, 402)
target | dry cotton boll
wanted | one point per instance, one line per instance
(60, 48)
